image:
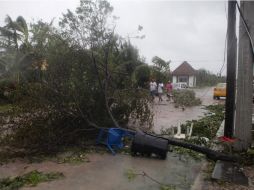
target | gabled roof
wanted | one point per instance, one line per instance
(184, 69)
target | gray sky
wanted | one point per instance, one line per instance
(175, 30)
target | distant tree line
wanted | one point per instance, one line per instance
(206, 78)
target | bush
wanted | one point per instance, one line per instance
(210, 123)
(29, 179)
(142, 75)
(86, 83)
(6, 89)
(185, 98)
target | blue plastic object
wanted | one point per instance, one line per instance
(113, 137)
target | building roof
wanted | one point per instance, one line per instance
(184, 69)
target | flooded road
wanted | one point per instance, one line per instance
(166, 115)
(108, 172)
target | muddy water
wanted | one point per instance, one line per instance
(166, 115)
(107, 172)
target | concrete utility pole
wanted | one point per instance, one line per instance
(231, 70)
(243, 120)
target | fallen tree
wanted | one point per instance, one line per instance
(85, 83)
(211, 154)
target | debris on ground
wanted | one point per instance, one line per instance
(29, 179)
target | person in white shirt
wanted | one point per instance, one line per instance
(153, 88)
(160, 90)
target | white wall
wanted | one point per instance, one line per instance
(174, 79)
(192, 81)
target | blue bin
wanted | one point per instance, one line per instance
(113, 137)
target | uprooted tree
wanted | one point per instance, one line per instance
(76, 79)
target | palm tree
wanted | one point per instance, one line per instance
(21, 26)
(13, 45)
(14, 33)
(160, 63)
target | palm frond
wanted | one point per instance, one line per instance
(22, 26)
(9, 22)
(5, 32)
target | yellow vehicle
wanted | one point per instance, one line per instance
(219, 91)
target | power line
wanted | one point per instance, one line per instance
(224, 55)
(225, 46)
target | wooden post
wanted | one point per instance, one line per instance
(231, 69)
(243, 120)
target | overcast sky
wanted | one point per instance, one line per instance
(175, 30)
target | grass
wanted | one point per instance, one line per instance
(32, 178)
(167, 187)
(73, 158)
(5, 108)
(207, 127)
(130, 174)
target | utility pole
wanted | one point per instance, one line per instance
(231, 70)
(243, 121)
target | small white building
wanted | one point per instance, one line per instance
(185, 73)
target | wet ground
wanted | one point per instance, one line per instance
(107, 172)
(166, 115)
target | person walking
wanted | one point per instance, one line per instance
(169, 89)
(153, 88)
(160, 91)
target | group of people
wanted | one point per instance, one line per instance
(157, 89)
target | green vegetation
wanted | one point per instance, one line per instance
(160, 70)
(130, 174)
(167, 187)
(206, 127)
(70, 155)
(5, 108)
(248, 157)
(185, 98)
(67, 82)
(188, 153)
(142, 75)
(74, 158)
(205, 78)
(32, 178)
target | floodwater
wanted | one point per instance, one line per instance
(166, 115)
(108, 172)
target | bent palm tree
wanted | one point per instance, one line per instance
(14, 33)
(13, 43)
